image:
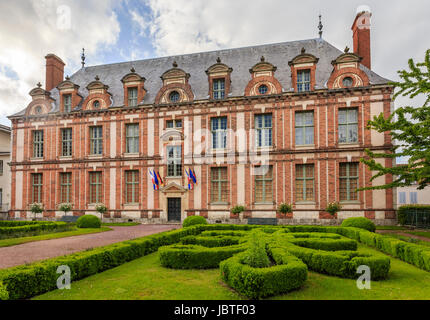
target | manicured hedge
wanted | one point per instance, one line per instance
(30, 280)
(359, 222)
(288, 274)
(32, 227)
(195, 256)
(326, 244)
(215, 241)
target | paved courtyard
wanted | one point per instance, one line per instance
(40, 250)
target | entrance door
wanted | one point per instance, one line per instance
(174, 209)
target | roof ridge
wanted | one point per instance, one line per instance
(200, 52)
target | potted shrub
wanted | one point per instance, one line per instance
(36, 208)
(101, 208)
(333, 208)
(65, 207)
(237, 210)
(285, 208)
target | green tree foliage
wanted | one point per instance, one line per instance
(410, 127)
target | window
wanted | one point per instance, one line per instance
(66, 187)
(348, 181)
(402, 197)
(132, 186)
(96, 104)
(36, 182)
(305, 183)
(1, 167)
(95, 187)
(304, 128)
(38, 110)
(263, 184)
(263, 89)
(303, 80)
(132, 138)
(219, 132)
(263, 127)
(67, 102)
(413, 197)
(219, 88)
(174, 161)
(38, 144)
(66, 142)
(174, 96)
(170, 124)
(132, 97)
(348, 126)
(96, 141)
(347, 82)
(219, 185)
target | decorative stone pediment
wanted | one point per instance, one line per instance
(67, 85)
(173, 188)
(132, 77)
(97, 87)
(263, 66)
(175, 75)
(219, 68)
(304, 58)
(346, 60)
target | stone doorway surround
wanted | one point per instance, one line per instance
(173, 190)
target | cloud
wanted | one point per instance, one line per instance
(33, 28)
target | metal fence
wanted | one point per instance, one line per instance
(416, 217)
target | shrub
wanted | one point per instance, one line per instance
(210, 242)
(88, 221)
(237, 209)
(36, 208)
(193, 220)
(65, 207)
(195, 256)
(285, 208)
(256, 255)
(359, 222)
(9, 229)
(333, 208)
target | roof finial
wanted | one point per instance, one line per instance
(97, 78)
(39, 85)
(262, 59)
(67, 78)
(320, 27)
(303, 50)
(218, 60)
(83, 57)
(346, 49)
(175, 65)
(132, 70)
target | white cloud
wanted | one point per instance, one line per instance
(32, 28)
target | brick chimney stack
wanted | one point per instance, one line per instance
(54, 71)
(361, 35)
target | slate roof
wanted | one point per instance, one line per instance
(240, 59)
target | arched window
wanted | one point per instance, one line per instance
(263, 89)
(96, 104)
(38, 110)
(347, 82)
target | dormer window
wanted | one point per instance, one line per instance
(96, 104)
(219, 88)
(132, 97)
(303, 80)
(174, 96)
(347, 82)
(67, 102)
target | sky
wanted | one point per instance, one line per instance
(123, 30)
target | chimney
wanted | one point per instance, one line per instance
(54, 71)
(361, 35)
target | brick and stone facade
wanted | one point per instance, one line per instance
(185, 93)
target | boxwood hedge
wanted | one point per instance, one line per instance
(22, 227)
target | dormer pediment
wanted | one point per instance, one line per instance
(67, 85)
(173, 188)
(219, 69)
(175, 75)
(347, 60)
(132, 77)
(304, 58)
(263, 66)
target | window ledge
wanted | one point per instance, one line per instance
(66, 157)
(350, 202)
(348, 145)
(37, 159)
(131, 155)
(219, 203)
(305, 146)
(306, 203)
(264, 203)
(95, 156)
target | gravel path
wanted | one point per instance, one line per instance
(40, 250)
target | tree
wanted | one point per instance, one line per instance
(410, 128)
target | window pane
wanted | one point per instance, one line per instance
(342, 134)
(352, 116)
(299, 136)
(309, 135)
(352, 133)
(342, 116)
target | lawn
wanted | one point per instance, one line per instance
(146, 279)
(75, 232)
(425, 234)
